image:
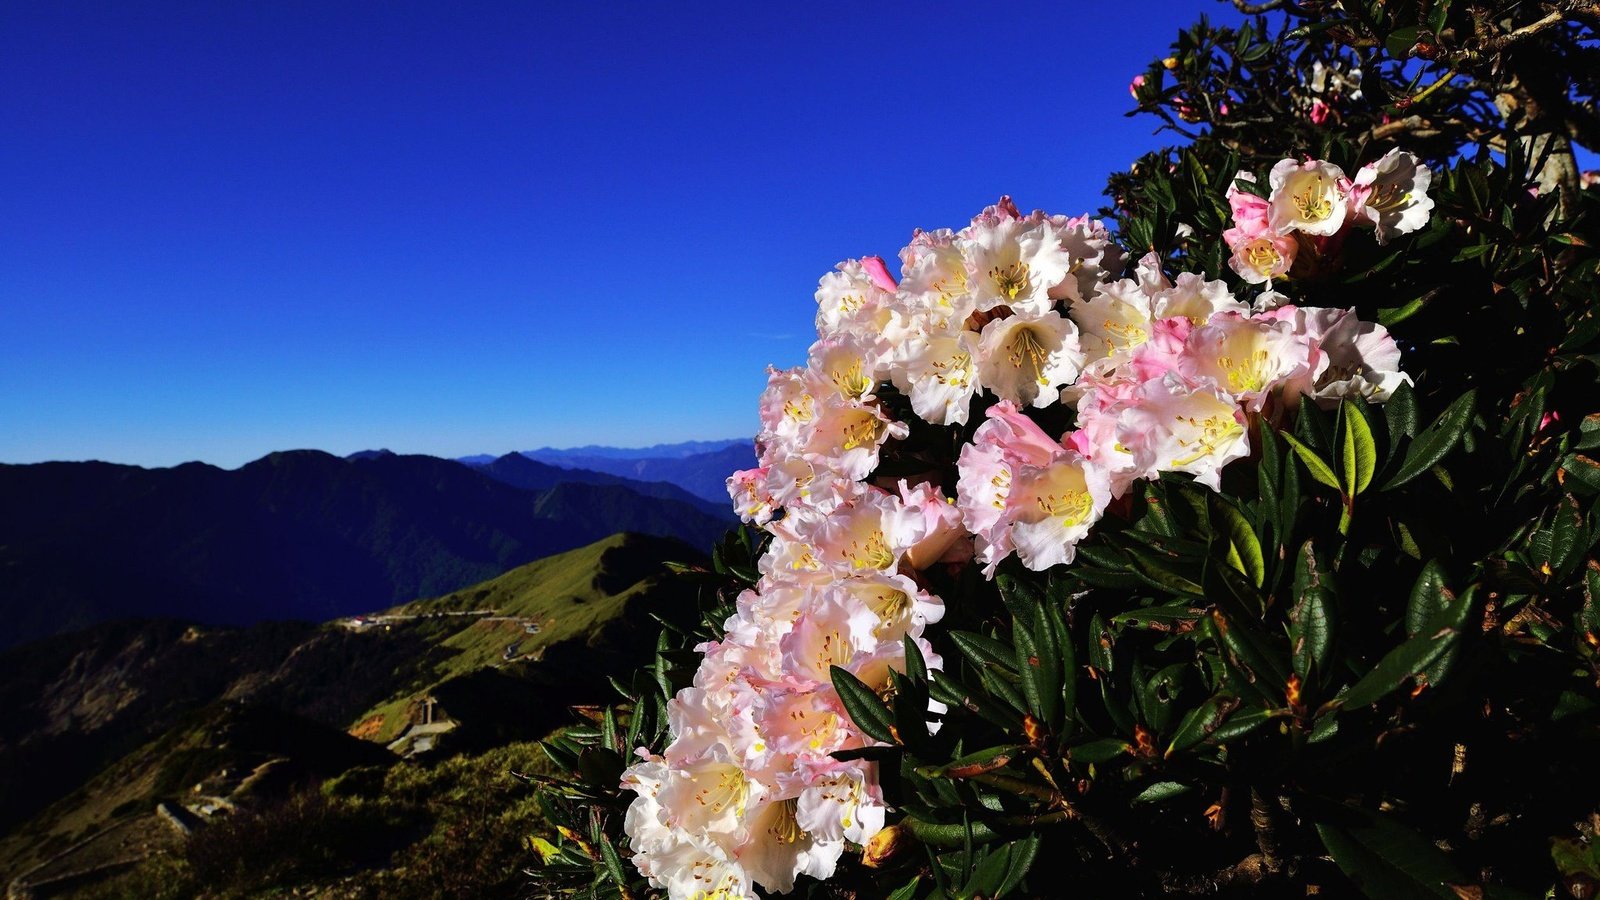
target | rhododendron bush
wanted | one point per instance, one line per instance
(1240, 538)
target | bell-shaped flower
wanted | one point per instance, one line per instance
(752, 499)
(1013, 262)
(1362, 356)
(1179, 427)
(833, 631)
(942, 534)
(697, 867)
(1053, 507)
(868, 534)
(1251, 358)
(1392, 195)
(939, 372)
(788, 408)
(643, 823)
(1261, 258)
(845, 364)
(1112, 322)
(708, 794)
(842, 803)
(1194, 298)
(935, 291)
(845, 436)
(1310, 197)
(852, 299)
(776, 850)
(1026, 359)
(902, 608)
(1093, 251)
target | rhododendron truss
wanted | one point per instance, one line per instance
(1062, 380)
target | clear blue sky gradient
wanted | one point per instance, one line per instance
(230, 228)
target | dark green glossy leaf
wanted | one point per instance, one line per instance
(863, 706)
(1436, 441)
(1387, 859)
(1311, 618)
(1441, 632)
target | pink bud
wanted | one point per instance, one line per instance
(1133, 87)
(1319, 112)
(879, 273)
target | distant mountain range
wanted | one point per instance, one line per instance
(298, 534)
(699, 467)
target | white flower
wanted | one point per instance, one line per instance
(849, 299)
(698, 868)
(708, 795)
(934, 289)
(1362, 356)
(1251, 358)
(1194, 298)
(1112, 322)
(1392, 194)
(939, 372)
(778, 850)
(841, 804)
(1025, 359)
(846, 434)
(1310, 197)
(1014, 263)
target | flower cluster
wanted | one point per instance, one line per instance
(1312, 203)
(1011, 314)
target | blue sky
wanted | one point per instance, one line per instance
(232, 228)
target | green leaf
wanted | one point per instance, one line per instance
(1400, 41)
(1162, 790)
(1428, 596)
(1201, 722)
(1243, 548)
(1040, 669)
(1387, 859)
(1242, 722)
(1023, 853)
(1251, 651)
(1098, 751)
(1319, 469)
(1311, 619)
(863, 706)
(1166, 617)
(983, 650)
(613, 862)
(1401, 414)
(1437, 440)
(1441, 632)
(977, 763)
(1358, 456)
(907, 891)
(1568, 537)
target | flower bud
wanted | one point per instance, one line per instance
(885, 845)
(1170, 62)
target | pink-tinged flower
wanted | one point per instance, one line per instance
(833, 630)
(1164, 351)
(803, 722)
(1310, 197)
(1392, 195)
(788, 408)
(708, 794)
(1194, 298)
(696, 866)
(647, 833)
(902, 608)
(846, 434)
(850, 299)
(1262, 258)
(777, 850)
(1135, 85)
(1251, 358)
(1051, 508)
(1250, 213)
(1093, 251)
(846, 364)
(1112, 322)
(987, 467)
(869, 533)
(751, 499)
(1362, 356)
(842, 803)
(1319, 112)
(935, 289)
(1025, 359)
(942, 539)
(795, 481)
(1177, 427)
